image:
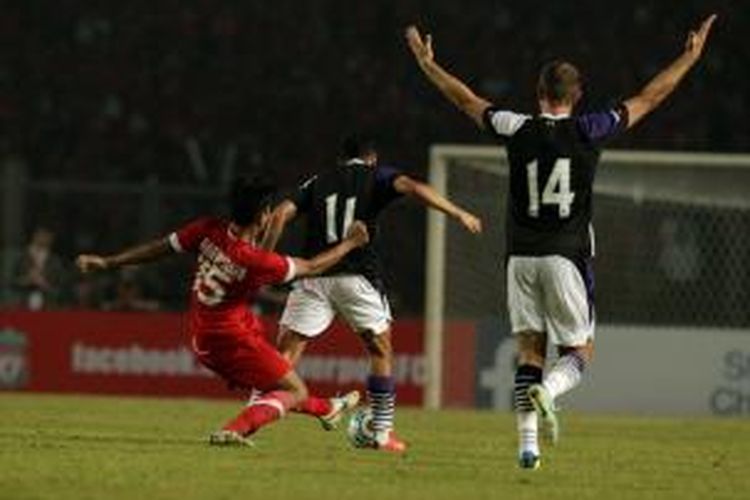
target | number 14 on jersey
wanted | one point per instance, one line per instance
(556, 189)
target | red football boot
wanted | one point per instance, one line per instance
(392, 444)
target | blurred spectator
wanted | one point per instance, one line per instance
(187, 92)
(131, 87)
(129, 296)
(38, 272)
(85, 294)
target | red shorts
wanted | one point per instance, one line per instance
(245, 360)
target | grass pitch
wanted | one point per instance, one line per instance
(117, 448)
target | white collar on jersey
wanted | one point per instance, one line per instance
(561, 116)
(354, 161)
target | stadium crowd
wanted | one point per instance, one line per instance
(189, 91)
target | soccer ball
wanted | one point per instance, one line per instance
(359, 430)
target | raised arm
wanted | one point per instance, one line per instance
(451, 87)
(145, 252)
(654, 93)
(282, 214)
(427, 195)
(355, 238)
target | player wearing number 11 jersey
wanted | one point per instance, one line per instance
(226, 336)
(358, 188)
(553, 158)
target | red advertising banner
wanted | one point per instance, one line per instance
(148, 354)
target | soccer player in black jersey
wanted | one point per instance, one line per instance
(553, 157)
(359, 188)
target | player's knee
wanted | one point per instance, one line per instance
(530, 358)
(291, 345)
(291, 354)
(527, 356)
(378, 345)
(293, 384)
(584, 352)
(302, 393)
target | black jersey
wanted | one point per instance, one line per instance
(333, 200)
(553, 162)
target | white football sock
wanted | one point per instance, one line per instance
(565, 375)
(526, 422)
(526, 417)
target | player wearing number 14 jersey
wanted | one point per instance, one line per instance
(358, 188)
(226, 336)
(553, 157)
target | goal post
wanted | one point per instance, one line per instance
(440, 157)
(434, 285)
(664, 219)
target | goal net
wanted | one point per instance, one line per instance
(672, 235)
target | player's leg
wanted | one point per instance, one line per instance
(303, 308)
(531, 357)
(291, 343)
(286, 393)
(307, 314)
(381, 389)
(527, 323)
(571, 321)
(568, 370)
(366, 310)
(246, 362)
(568, 295)
(328, 410)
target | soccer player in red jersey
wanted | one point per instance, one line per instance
(226, 336)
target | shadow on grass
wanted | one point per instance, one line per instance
(43, 437)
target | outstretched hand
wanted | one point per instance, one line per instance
(697, 39)
(470, 222)
(87, 263)
(421, 48)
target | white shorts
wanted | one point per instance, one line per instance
(549, 294)
(314, 302)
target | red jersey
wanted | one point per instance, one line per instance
(228, 274)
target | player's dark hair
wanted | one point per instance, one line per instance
(248, 197)
(559, 81)
(357, 146)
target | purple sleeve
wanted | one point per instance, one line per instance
(602, 125)
(384, 177)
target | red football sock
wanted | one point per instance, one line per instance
(315, 406)
(264, 410)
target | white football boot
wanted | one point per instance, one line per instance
(229, 438)
(340, 406)
(545, 407)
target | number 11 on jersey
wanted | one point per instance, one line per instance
(556, 189)
(332, 236)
